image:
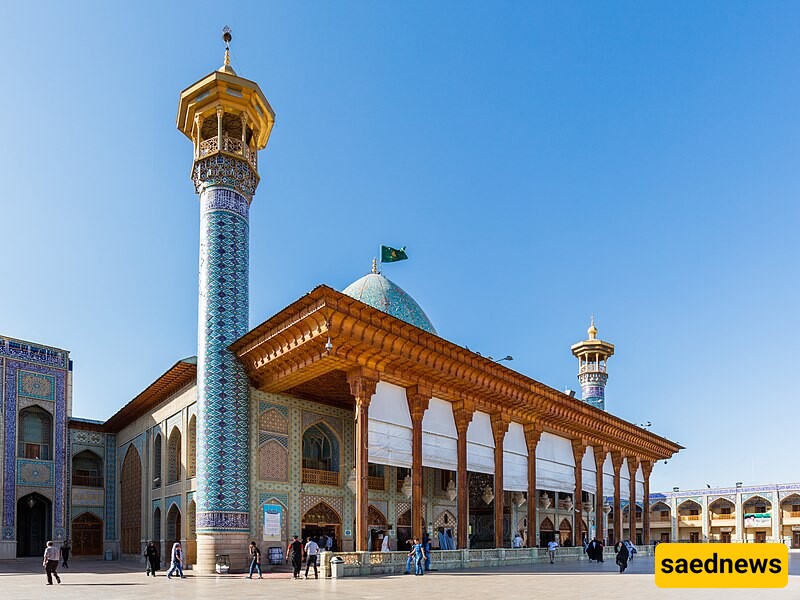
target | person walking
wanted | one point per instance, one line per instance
(152, 558)
(176, 557)
(294, 553)
(418, 554)
(622, 556)
(426, 546)
(50, 563)
(410, 559)
(65, 548)
(255, 561)
(517, 541)
(631, 549)
(312, 552)
(551, 548)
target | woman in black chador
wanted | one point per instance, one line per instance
(622, 556)
(152, 557)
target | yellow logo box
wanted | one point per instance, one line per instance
(722, 565)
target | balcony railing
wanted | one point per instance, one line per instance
(320, 477)
(592, 368)
(690, 517)
(728, 517)
(376, 483)
(660, 519)
(87, 480)
(229, 145)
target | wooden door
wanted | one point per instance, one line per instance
(87, 535)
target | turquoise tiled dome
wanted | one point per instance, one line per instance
(377, 291)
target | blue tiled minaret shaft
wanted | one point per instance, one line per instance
(228, 120)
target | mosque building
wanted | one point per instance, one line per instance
(345, 413)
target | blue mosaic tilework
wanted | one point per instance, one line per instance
(264, 406)
(33, 353)
(35, 472)
(377, 291)
(170, 500)
(36, 385)
(59, 479)
(265, 436)
(111, 486)
(223, 477)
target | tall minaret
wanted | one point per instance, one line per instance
(228, 120)
(593, 355)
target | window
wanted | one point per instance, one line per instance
(157, 461)
(87, 469)
(374, 470)
(174, 456)
(445, 477)
(761, 508)
(694, 511)
(725, 510)
(35, 434)
(191, 460)
(317, 450)
(795, 507)
(665, 514)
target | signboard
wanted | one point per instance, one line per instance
(272, 521)
(758, 520)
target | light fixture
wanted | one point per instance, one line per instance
(352, 481)
(408, 486)
(606, 508)
(676, 489)
(451, 490)
(545, 500)
(31, 502)
(508, 357)
(738, 484)
(568, 504)
(488, 495)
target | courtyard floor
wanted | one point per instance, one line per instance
(85, 580)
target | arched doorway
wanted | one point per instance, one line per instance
(87, 535)
(33, 524)
(546, 532)
(173, 527)
(403, 529)
(321, 519)
(131, 503)
(565, 532)
(376, 523)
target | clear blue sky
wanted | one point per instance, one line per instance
(542, 162)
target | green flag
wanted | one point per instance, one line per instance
(389, 254)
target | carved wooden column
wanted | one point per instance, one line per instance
(362, 387)
(500, 423)
(600, 497)
(616, 459)
(418, 400)
(533, 432)
(578, 450)
(633, 466)
(462, 413)
(647, 468)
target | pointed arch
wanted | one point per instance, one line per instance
(404, 518)
(721, 503)
(375, 516)
(191, 458)
(689, 505)
(157, 524)
(321, 448)
(173, 525)
(35, 433)
(272, 420)
(87, 469)
(157, 450)
(191, 532)
(659, 506)
(565, 525)
(756, 501)
(174, 456)
(546, 525)
(322, 514)
(131, 502)
(445, 519)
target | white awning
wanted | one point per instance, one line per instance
(639, 485)
(555, 464)
(389, 427)
(439, 436)
(515, 459)
(480, 444)
(625, 482)
(608, 477)
(589, 471)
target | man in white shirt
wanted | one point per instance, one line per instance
(50, 562)
(312, 551)
(517, 541)
(551, 547)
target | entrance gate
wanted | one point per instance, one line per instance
(87, 535)
(33, 524)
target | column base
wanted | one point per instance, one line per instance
(234, 544)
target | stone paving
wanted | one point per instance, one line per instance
(24, 579)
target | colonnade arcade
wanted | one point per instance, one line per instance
(420, 401)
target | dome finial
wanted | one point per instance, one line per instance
(592, 331)
(375, 265)
(227, 37)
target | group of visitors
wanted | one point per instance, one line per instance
(153, 559)
(594, 550)
(625, 551)
(311, 550)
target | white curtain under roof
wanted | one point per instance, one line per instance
(625, 482)
(555, 464)
(515, 459)
(639, 485)
(589, 471)
(389, 426)
(480, 444)
(608, 477)
(439, 436)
